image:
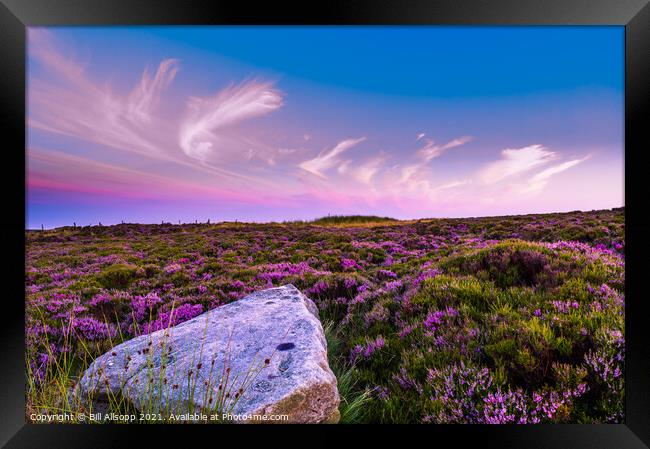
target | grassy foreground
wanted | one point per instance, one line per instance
(490, 320)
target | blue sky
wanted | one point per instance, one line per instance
(269, 123)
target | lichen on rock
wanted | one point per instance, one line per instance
(263, 355)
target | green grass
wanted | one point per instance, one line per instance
(351, 219)
(354, 398)
(539, 314)
(56, 393)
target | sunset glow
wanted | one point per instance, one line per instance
(151, 124)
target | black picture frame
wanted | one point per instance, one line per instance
(16, 15)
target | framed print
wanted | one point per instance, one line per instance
(429, 215)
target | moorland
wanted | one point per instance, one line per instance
(513, 319)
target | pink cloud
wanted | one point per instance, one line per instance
(58, 171)
(209, 148)
(71, 104)
(431, 150)
(541, 179)
(201, 137)
(411, 174)
(234, 104)
(515, 161)
(329, 158)
(146, 96)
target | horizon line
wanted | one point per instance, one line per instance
(307, 221)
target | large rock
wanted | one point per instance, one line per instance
(264, 355)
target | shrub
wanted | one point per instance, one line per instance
(418, 306)
(117, 276)
(508, 264)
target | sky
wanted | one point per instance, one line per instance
(152, 124)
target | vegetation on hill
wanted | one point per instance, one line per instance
(516, 319)
(350, 219)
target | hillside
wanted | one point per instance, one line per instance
(480, 320)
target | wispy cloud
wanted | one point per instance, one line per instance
(77, 107)
(206, 116)
(515, 161)
(408, 171)
(366, 171)
(156, 138)
(59, 171)
(146, 96)
(71, 104)
(432, 150)
(329, 158)
(540, 180)
(518, 171)
(451, 185)
(43, 46)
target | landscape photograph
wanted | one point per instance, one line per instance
(325, 224)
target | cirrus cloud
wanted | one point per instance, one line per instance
(198, 133)
(329, 158)
(539, 180)
(515, 161)
(145, 141)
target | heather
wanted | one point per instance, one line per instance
(350, 219)
(516, 319)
